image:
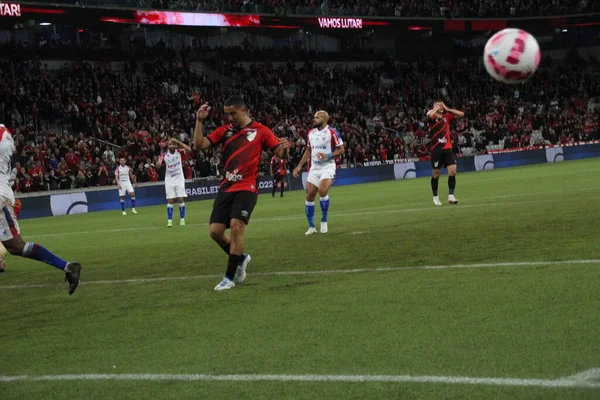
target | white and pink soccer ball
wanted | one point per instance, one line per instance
(511, 56)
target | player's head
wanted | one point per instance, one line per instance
(122, 160)
(172, 146)
(321, 119)
(440, 106)
(235, 109)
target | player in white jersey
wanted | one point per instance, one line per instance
(324, 144)
(124, 176)
(174, 178)
(10, 235)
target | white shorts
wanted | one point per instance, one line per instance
(315, 175)
(9, 227)
(125, 188)
(175, 190)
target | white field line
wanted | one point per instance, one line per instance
(589, 375)
(453, 380)
(321, 272)
(300, 216)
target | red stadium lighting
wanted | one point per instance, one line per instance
(419, 28)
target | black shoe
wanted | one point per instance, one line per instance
(72, 276)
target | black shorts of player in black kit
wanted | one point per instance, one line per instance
(278, 178)
(442, 158)
(228, 205)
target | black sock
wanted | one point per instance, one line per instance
(232, 265)
(282, 188)
(434, 185)
(451, 184)
(225, 248)
(274, 187)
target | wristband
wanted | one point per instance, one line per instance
(329, 156)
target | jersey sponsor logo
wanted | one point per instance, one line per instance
(233, 176)
(251, 134)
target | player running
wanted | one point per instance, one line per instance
(278, 172)
(10, 235)
(174, 178)
(241, 144)
(440, 144)
(124, 175)
(323, 146)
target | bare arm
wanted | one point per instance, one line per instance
(303, 161)
(431, 113)
(184, 146)
(282, 151)
(159, 162)
(456, 113)
(200, 142)
(271, 168)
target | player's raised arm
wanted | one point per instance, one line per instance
(160, 161)
(456, 113)
(437, 107)
(201, 142)
(183, 146)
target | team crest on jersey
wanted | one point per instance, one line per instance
(251, 134)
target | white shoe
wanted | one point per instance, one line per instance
(240, 275)
(452, 199)
(311, 231)
(436, 201)
(225, 284)
(323, 227)
(133, 211)
(124, 213)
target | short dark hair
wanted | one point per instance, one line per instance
(235, 101)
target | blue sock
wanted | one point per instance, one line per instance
(123, 205)
(182, 210)
(40, 253)
(169, 211)
(133, 202)
(324, 208)
(310, 213)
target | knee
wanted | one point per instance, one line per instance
(322, 193)
(452, 173)
(15, 246)
(237, 228)
(217, 235)
(436, 174)
(310, 196)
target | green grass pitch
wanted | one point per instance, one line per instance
(513, 292)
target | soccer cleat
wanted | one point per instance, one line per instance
(311, 231)
(133, 211)
(124, 213)
(240, 275)
(436, 201)
(169, 223)
(324, 227)
(182, 222)
(72, 273)
(452, 199)
(225, 284)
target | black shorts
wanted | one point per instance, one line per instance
(441, 158)
(278, 178)
(230, 205)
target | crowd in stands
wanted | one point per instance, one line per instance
(401, 8)
(71, 126)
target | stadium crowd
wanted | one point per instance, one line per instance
(72, 125)
(402, 8)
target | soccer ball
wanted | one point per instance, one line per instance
(511, 56)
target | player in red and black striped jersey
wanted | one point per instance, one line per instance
(278, 172)
(440, 145)
(242, 142)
